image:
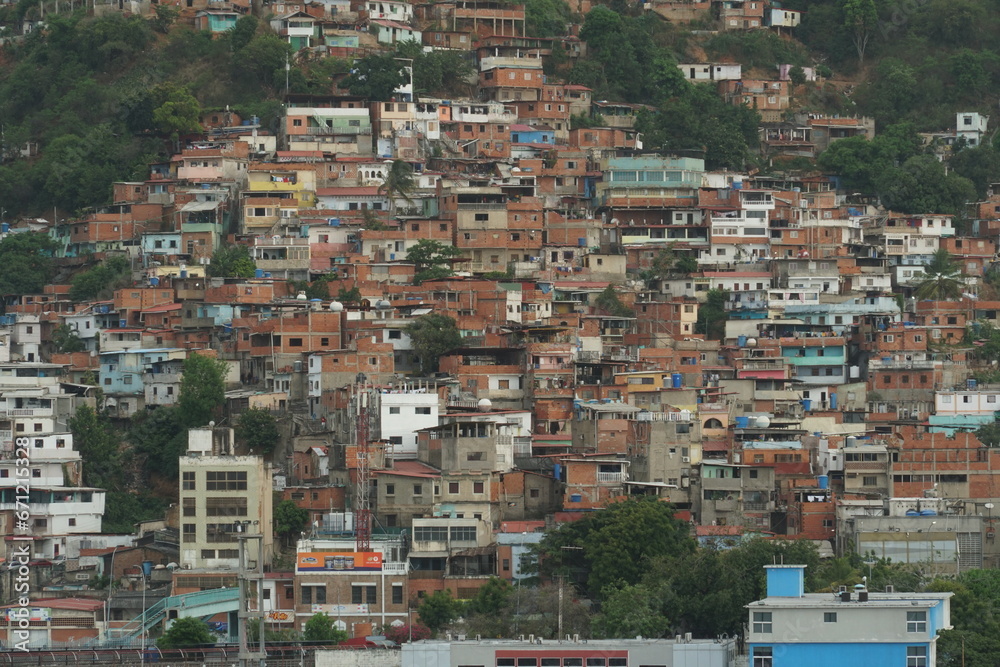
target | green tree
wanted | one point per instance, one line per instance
(989, 434)
(614, 546)
(160, 438)
(187, 631)
(861, 19)
(25, 263)
(630, 611)
(257, 431)
(432, 336)
(398, 183)
(352, 295)
(99, 446)
(941, 281)
(921, 184)
(797, 75)
(438, 610)
(491, 598)
(981, 165)
(242, 32)
(431, 259)
(320, 628)
(609, 302)
(178, 112)
(264, 58)
(712, 314)
(232, 262)
(546, 18)
(101, 280)
(66, 340)
(376, 77)
(289, 520)
(203, 389)
(164, 17)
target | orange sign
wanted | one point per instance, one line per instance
(338, 561)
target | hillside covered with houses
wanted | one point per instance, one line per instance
(411, 289)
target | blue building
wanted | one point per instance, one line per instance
(792, 628)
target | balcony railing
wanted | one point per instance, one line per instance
(337, 129)
(611, 477)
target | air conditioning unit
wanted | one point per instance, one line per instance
(685, 459)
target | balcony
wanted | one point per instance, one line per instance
(334, 130)
(482, 206)
(611, 477)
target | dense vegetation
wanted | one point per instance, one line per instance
(103, 97)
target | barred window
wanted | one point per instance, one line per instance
(220, 532)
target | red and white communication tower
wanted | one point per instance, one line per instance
(364, 408)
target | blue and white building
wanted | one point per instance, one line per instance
(791, 628)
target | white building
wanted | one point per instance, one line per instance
(402, 413)
(971, 126)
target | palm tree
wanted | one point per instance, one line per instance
(398, 182)
(942, 280)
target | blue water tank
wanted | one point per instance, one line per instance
(557, 471)
(928, 513)
(147, 568)
(971, 383)
(807, 404)
(154, 282)
(267, 274)
(741, 341)
(912, 513)
(581, 242)
(4, 227)
(184, 273)
(676, 380)
(259, 273)
(833, 401)
(742, 422)
(575, 498)
(824, 481)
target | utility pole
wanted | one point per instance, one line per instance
(250, 571)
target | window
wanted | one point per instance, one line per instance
(188, 532)
(363, 594)
(72, 522)
(393, 411)
(916, 656)
(830, 617)
(478, 487)
(763, 657)
(397, 594)
(422, 411)
(187, 483)
(189, 507)
(390, 489)
(314, 594)
(418, 489)
(916, 621)
(869, 481)
(452, 487)
(226, 506)
(220, 532)
(762, 622)
(222, 480)
(430, 533)
(463, 533)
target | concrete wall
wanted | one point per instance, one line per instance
(359, 658)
